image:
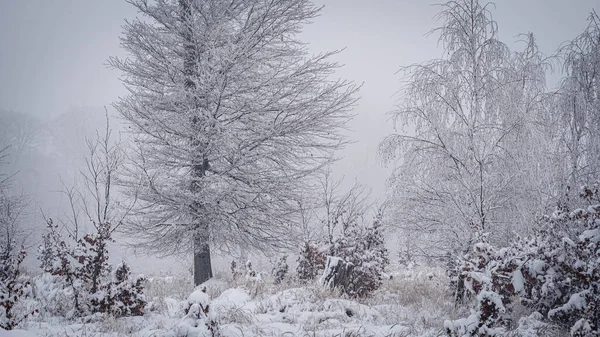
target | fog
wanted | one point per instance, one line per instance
(55, 84)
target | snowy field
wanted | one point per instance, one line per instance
(413, 303)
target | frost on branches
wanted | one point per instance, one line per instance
(556, 272)
(230, 115)
(465, 122)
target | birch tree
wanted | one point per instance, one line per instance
(578, 110)
(230, 114)
(465, 123)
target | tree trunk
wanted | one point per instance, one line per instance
(460, 290)
(202, 263)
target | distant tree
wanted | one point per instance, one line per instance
(229, 114)
(339, 210)
(20, 131)
(467, 124)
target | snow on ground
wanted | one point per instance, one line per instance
(17, 333)
(413, 303)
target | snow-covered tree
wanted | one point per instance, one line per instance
(229, 113)
(577, 109)
(466, 124)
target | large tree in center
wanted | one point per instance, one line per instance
(230, 116)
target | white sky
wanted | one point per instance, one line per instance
(52, 54)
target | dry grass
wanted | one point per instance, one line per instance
(175, 286)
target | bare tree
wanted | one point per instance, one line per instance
(82, 255)
(92, 196)
(341, 209)
(229, 114)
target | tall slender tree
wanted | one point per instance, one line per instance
(230, 115)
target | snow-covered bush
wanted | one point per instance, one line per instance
(122, 295)
(80, 264)
(13, 287)
(251, 280)
(364, 249)
(54, 297)
(311, 262)
(81, 269)
(563, 278)
(254, 280)
(556, 272)
(492, 276)
(249, 272)
(92, 255)
(236, 271)
(57, 259)
(199, 320)
(281, 269)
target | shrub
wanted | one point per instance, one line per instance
(555, 272)
(311, 262)
(82, 265)
(281, 269)
(83, 268)
(364, 249)
(121, 296)
(12, 289)
(198, 320)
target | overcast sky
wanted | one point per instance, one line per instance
(52, 54)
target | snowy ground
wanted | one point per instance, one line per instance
(413, 303)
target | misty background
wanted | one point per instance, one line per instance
(54, 82)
